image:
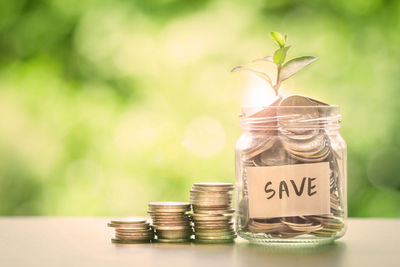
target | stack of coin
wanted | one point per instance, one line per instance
(131, 230)
(171, 221)
(330, 225)
(212, 212)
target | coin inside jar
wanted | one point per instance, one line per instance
(305, 136)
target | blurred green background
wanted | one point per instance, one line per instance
(107, 105)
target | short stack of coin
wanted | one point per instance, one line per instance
(212, 212)
(131, 230)
(171, 221)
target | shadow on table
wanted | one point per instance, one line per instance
(247, 254)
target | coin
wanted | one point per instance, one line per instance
(254, 145)
(213, 189)
(211, 218)
(129, 221)
(130, 230)
(214, 241)
(208, 193)
(300, 137)
(216, 212)
(172, 227)
(212, 209)
(213, 222)
(171, 220)
(128, 241)
(169, 206)
(135, 237)
(214, 233)
(265, 227)
(275, 156)
(162, 240)
(130, 226)
(313, 143)
(231, 236)
(163, 213)
(296, 111)
(174, 234)
(213, 228)
(213, 197)
(212, 184)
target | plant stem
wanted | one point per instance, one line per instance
(278, 82)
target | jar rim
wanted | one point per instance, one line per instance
(274, 117)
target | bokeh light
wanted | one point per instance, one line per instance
(107, 105)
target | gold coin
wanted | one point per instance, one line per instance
(169, 206)
(207, 212)
(133, 230)
(140, 237)
(129, 226)
(161, 240)
(214, 241)
(129, 221)
(174, 235)
(232, 236)
(129, 241)
(213, 184)
(172, 227)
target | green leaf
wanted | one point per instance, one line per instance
(278, 38)
(260, 74)
(294, 65)
(280, 55)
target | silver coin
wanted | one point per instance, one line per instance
(213, 188)
(172, 227)
(232, 236)
(213, 184)
(129, 226)
(169, 206)
(296, 111)
(275, 156)
(314, 143)
(254, 145)
(162, 240)
(133, 231)
(133, 220)
(124, 236)
(214, 241)
(207, 212)
(213, 224)
(129, 241)
(174, 234)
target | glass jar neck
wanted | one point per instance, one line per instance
(288, 118)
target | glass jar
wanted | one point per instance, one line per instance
(291, 175)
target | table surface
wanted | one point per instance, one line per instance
(59, 241)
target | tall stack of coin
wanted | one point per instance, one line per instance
(171, 221)
(131, 230)
(212, 212)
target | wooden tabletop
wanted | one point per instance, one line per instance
(59, 241)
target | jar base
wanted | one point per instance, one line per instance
(268, 240)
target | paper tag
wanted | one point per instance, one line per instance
(289, 190)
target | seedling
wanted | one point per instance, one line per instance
(284, 69)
